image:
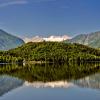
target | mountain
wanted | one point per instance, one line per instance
(50, 38)
(8, 41)
(34, 39)
(92, 39)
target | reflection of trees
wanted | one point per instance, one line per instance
(49, 72)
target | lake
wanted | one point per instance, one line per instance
(49, 82)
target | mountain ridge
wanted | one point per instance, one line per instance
(91, 39)
(8, 41)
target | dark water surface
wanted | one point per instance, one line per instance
(49, 82)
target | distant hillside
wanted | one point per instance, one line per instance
(8, 41)
(92, 39)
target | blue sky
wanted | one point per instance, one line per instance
(49, 17)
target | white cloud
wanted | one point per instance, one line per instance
(50, 38)
(57, 38)
(4, 3)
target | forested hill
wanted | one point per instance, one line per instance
(51, 52)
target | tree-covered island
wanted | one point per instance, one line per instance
(51, 52)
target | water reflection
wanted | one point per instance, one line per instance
(55, 84)
(52, 76)
(8, 83)
(47, 72)
(92, 81)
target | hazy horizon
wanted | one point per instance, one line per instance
(27, 18)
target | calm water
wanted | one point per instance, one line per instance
(49, 82)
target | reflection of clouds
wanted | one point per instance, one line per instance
(56, 84)
(92, 81)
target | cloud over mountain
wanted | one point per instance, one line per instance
(50, 38)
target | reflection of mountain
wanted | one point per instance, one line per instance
(8, 83)
(48, 75)
(55, 84)
(92, 81)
